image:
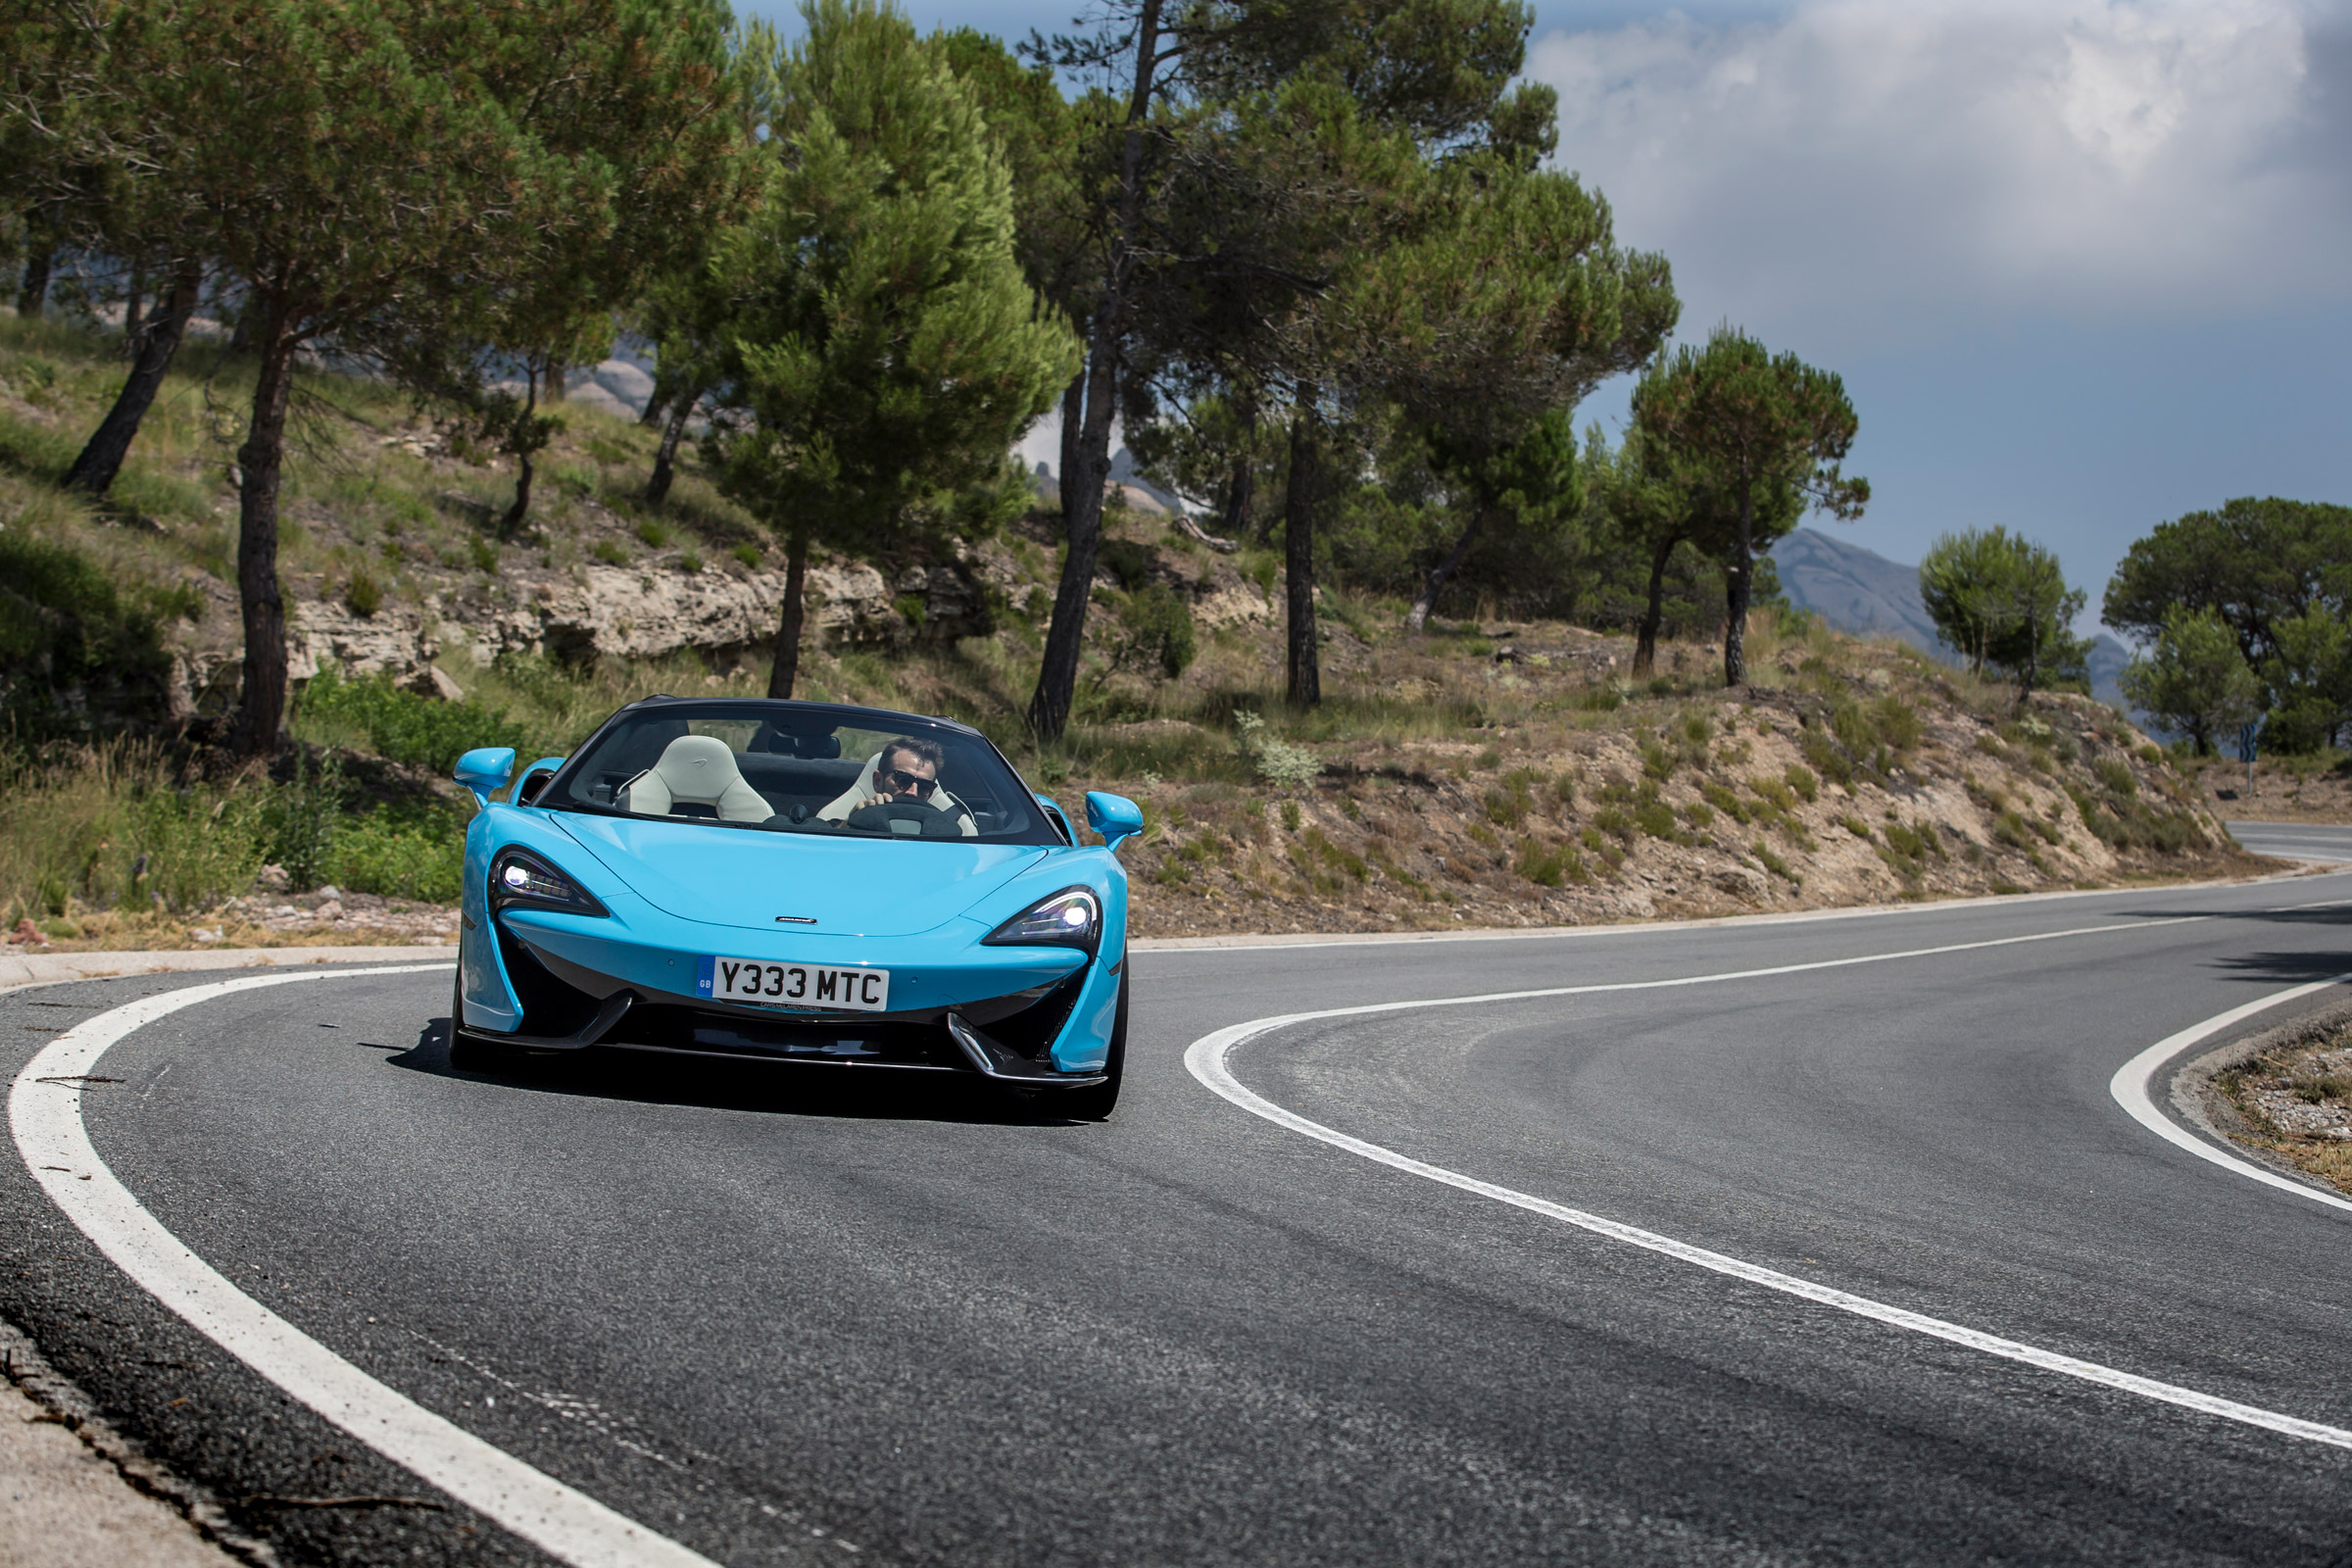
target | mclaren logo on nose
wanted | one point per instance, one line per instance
(796, 920)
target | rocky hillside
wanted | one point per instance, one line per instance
(1849, 774)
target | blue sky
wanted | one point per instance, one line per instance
(2082, 263)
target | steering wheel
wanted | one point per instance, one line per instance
(927, 821)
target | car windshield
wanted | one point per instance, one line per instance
(801, 768)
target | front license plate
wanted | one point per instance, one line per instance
(794, 984)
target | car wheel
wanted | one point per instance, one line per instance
(1095, 1103)
(467, 1050)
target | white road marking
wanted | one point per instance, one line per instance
(1636, 928)
(1205, 1060)
(2135, 1082)
(45, 1116)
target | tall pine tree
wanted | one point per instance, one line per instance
(886, 346)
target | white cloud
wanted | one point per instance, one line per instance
(1865, 173)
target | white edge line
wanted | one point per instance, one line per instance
(1205, 1060)
(45, 1117)
(1629, 928)
(2134, 1081)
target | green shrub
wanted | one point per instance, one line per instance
(484, 554)
(401, 856)
(609, 551)
(1334, 855)
(423, 731)
(1128, 563)
(1155, 633)
(2116, 775)
(1277, 762)
(303, 817)
(1509, 805)
(748, 554)
(1823, 752)
(363, 596)
(76, 645)
(1617, 822)
(1721, 797)
(653, 531)
(1655, 818)
(1774, 863)
(1547, 867)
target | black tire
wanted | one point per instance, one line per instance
(1095, 1103)
(467, 1050)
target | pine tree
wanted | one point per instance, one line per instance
(380, 179)
(886, 347)
(1753, 421)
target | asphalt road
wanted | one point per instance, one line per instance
(2296, 840)
(788, 1319)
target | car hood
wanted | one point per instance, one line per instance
(846, 887)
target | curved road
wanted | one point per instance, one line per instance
(779, 1318)
(2296, 840)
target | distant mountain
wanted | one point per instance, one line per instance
(1855, 590)
(1862, 593)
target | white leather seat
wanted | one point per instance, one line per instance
(695, 770)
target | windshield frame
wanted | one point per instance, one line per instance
(555, 795)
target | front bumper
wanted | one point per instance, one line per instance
(1032, 1017)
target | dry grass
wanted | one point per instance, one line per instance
(2297, 1102)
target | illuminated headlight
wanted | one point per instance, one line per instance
(518, 878)
(1071, 918)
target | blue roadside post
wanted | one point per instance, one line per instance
(2249, 745)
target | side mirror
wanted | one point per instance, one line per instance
(1114, 816)
(486, 768)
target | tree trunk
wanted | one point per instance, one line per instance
(1417, 617)
(134, 303)
(1086, 463)
(523, 467)
(666, 456)
(1743, 570)
(656, 401)
(1299, 557)
(1645, 644)
(259, 462)
(102, 459)
(787, 669)
(32, 293)
(554, 390)
(1241, 495)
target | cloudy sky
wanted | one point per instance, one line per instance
(2083, 263)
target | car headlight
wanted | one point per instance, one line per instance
(1071, 918)
(520, 879)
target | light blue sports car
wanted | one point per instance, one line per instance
(794, 882)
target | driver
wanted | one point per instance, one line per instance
(903, 773)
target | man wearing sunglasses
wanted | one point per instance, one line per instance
(902, 775)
